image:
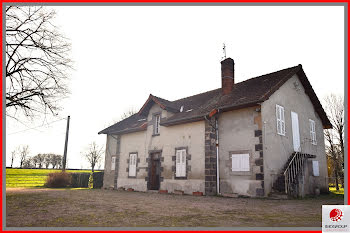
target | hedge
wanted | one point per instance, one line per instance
(97, 180)
(80, 180)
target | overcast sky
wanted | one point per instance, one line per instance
(124, 53)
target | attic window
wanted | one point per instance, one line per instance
(313, 132)
(143, 119)
(281, 125)
(182, 108)
(157, 124)
(189, 110)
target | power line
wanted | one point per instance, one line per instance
(47, 124)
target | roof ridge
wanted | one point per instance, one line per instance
(160, 98)
(292, 67)
(292, 71)
(196, 94)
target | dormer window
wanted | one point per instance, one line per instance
(157, 124)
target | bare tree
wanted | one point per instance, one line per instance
(14, 155)
(126, 114)
(24, 151)
(334, 107)
(36, 62)
(335, 112)
(28, 163)
(38, 160)
(93, 155)
(56, 161)
(47, 160)
(333, 155)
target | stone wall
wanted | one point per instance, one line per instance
(210, 158)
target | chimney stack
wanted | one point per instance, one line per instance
(227, 75)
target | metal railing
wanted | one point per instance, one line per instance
(294, 167)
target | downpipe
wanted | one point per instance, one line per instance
(217, 156)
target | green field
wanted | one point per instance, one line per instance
(30, 177)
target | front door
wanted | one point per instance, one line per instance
(154, 172)
(295, 131)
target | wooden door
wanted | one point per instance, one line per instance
(154, 172)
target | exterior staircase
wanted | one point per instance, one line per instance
(287, 181)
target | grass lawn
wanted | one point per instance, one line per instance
(30, 178)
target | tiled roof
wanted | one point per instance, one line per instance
(244, 94)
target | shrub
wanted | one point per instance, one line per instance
(97, 180)
(58, 180)
(80, 180)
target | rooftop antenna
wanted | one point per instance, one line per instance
(224, 51)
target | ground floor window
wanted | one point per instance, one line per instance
(240, 162)
(181, 163)
(132, 165)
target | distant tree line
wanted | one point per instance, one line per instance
(37, 161)
(44, 161)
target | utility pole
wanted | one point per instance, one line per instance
(65, 147)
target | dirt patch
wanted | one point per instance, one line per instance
(109, 208)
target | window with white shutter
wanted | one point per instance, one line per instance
(315, 168)
(132, 165)
(157, 124)
(181, 163)
(281, 125)
(113, 164)
(240, 162)
(313, 132)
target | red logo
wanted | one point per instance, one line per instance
(336, 215)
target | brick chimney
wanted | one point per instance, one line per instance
(227, 75)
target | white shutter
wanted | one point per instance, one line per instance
(157, 125)
(280, 121)
(283, 125)
(315, 168)
(178, 163)
(236, 162)
(113, 164)
(132, 165)
(313, 132)
(244, 162)
(240, 162)
(183, 163)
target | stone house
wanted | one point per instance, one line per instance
(250, 138)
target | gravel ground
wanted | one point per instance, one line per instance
(110, 208)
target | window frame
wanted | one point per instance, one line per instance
(240, 157)
(315, 168)
(280, 120)
(113, 162)
(182, 164)
(132, 162)
(313, 138)
(156, 127)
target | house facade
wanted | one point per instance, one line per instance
(241, 139)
